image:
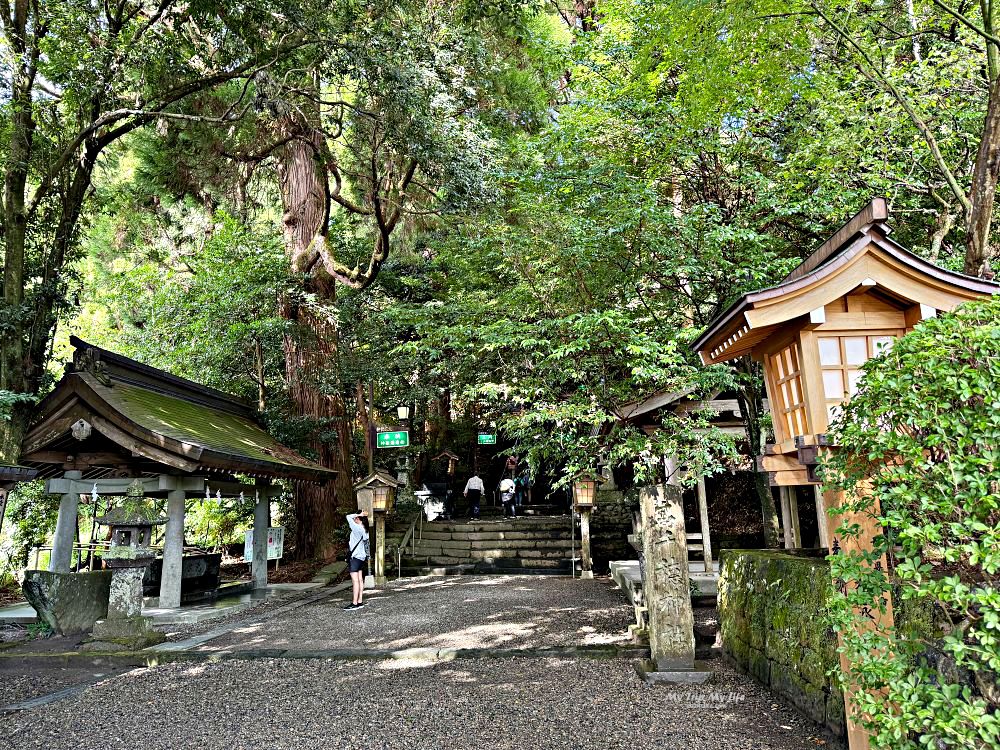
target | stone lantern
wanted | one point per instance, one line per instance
(377, 491)
(130, 553)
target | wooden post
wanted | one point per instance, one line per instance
(822, 519)
(62, 542)
(379, 548)
(258, 560)
(586, 564)
(3, 505)
(793, 514)
(786, 517)
(857, 735)
(173, 551)
(705, 531)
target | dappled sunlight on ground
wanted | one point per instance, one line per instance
(470, 612)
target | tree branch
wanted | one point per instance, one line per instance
(874, 73)
(966, 22)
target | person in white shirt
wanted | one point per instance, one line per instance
(474, 489)
(507, 488)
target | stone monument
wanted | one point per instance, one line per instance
(666, 589)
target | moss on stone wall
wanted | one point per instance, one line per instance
(771, 607)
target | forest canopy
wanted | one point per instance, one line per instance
(512, 215)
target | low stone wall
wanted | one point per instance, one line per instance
(771, 612)
(610, 525)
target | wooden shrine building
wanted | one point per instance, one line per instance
(849, 300)
(111, 420)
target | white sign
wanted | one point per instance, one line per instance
(275, 543)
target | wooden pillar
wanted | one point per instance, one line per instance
(62, 543)
(822, 519)
(258, 564)
(706, 534)
(857, 735)
(3, 505)
(786, 517)
(379, 548)
(586, 564)
(793, 510)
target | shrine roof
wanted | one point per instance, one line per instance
(860, 253)
(135, 413)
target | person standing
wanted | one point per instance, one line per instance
(474, 489)
(357, 558)
(507, 489)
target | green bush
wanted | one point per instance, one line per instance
(922, 436)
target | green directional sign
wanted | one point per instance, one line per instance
(398, 439)
(487, 438)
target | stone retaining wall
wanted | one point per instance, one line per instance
(771, 612)
(610, 525)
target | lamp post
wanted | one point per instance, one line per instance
(383, 498)
(584, 498)
(403, 412)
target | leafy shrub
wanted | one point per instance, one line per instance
(922, 437)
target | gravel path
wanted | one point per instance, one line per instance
(535, 703)
(20, 682)
(455, 612)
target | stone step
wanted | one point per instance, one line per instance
(443, 566)
(492, 554)
(518, 544)
(491, 527)
(484, 536)
(468, 570)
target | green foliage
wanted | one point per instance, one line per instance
(213, 524)
(29, 521)
(40, 629)
(195, 295)
(922, 439)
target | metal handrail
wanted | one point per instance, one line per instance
(407, 537)
(97, 545)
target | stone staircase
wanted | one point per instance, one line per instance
(535, 545)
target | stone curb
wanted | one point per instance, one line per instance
(153, 658)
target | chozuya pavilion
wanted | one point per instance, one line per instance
(112, 420)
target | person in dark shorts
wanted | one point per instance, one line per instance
(474, 494)
(357, 558)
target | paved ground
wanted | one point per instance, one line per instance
(456, 612)
(526, 701)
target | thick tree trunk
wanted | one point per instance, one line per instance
(311, 350)
(982, 196)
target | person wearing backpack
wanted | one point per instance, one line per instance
(357, 557)
(507, 491)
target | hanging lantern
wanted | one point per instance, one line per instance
(383, 489)
(585, 490)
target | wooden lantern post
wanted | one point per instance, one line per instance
(378, 488)
(848, 301)
(584, 499)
